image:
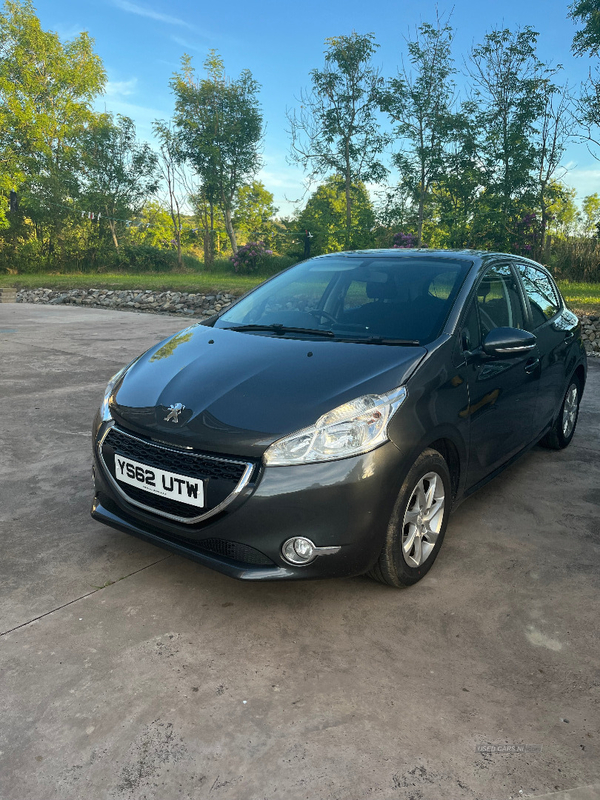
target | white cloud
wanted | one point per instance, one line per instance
(143, 11)
(67, 32)
(116, 89)
(187, 45)
(143, 116)
(585, 180)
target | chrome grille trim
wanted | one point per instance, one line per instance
(241, 485)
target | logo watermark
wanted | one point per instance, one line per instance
(508, 748)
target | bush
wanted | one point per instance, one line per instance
(146, 258)
(250, 257)
(576, 259)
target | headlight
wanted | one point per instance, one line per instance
(104, 410)
(353, 428)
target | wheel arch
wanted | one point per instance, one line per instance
(580, 375)
(448, 449)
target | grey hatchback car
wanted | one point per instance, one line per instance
(327, 422)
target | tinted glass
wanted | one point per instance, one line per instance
(471, 335)
(498, 300)
(541, 293)
(403, 297)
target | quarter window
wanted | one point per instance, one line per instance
(471, 335)
(498, 300)
(541, 293)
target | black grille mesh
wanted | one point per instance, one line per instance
(235, 551)
(196, 466)
(162, 503)
(220, 476)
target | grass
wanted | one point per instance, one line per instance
(580, 296)
(197, 282)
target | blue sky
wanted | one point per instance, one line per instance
(141, 43)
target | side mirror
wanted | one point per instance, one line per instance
(504, 342)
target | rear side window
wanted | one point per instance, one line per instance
(498, 300)
(540, 290)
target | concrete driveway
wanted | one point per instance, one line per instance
(129, 673)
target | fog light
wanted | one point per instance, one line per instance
(299, 551)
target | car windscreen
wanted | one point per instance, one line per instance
(403, 298)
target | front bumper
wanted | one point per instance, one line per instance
(344, 503)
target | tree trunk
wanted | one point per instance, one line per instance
(209, 251)
(230, 231)
(113, 230)
(179, 259)
(420, 220)
(348, 187)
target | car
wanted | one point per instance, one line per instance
(327, 423)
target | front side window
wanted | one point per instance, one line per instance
(356, 297)
(498, 300)
(541, 293)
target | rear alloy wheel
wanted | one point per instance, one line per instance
(418, 523)
(561, 433)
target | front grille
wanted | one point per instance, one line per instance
(161, 503)
(235, 551)
(221, 476)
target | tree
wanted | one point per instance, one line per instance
(509, 84)
(564, 214)
(553, 133)
(325, 212)
(171, 168)
(47, 89)
(420, 106)
(586, 40)
(154, 226)
(336, 129)
(457, 191)
(590, 208)
(220, 127)
(120, 173)
(254, 212)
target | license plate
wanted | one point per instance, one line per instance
(159, 481)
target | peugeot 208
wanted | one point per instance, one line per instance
(327, 422)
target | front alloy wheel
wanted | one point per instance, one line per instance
(423, 519)
(418, 522)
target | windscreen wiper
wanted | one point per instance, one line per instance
(382, 340)
(277, 327)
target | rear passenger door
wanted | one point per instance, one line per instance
(555, 330)
(502, 391)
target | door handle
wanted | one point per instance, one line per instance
(531, 365)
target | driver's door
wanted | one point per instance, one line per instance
(502, 391)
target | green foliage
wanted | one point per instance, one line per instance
(254, 212)
(586, 40)
(251, 257)
(153, 227)
(325, 215)
(590, 209)
(220, 127)
(576, 259)
(564, 214)
(420, 106)
(46, 93)
(337, 129)
(119, 172)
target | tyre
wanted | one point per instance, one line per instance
(561, 433)
(418, 523)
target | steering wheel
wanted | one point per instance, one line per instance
(320, 313)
